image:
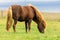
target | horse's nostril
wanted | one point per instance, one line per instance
(42, 31)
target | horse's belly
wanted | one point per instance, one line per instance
(21, 19)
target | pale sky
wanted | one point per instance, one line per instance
(46, 5)
(5, 1)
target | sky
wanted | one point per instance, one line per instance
(42, 5)
(4, 1)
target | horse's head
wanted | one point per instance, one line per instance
(42, 26)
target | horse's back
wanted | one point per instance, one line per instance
(22, 13)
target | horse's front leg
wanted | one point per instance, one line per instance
(14, 25)
(29, 24)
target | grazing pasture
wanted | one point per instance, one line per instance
(52, 31)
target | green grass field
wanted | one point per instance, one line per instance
(52, 30)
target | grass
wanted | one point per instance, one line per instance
(52, 31)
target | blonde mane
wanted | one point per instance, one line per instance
(39, 14)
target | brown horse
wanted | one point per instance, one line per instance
(27, 14)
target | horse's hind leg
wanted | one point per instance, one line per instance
(14, 25)
(26, 25)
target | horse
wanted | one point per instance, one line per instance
(27, 14)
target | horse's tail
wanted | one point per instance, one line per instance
(39, 15)
(9, 18)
